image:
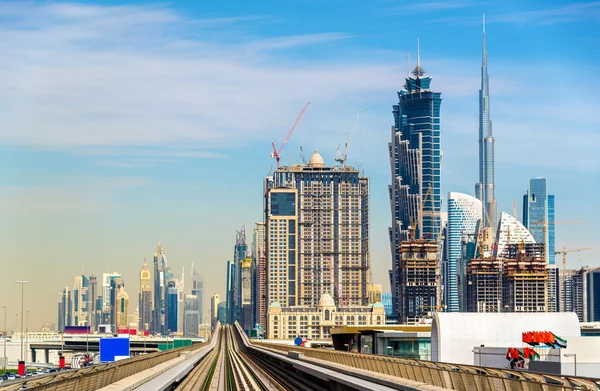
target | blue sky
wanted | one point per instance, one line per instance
(126, 123)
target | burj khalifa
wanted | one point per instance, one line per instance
(485, 189)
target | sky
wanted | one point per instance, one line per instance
(123, 124)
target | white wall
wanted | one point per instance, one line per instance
(454, 335)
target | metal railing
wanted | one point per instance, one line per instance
(98, 376)
(446, 375)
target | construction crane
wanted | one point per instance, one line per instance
(277, 152)
(302, 157)
(415, 222)
(564, 254)
(341, 158)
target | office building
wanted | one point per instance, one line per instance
(317, 220)
(510, 231)
(485, 189)
(192, 317)
(538, 215)
(121, 309)
(198, 291)
(419, 282)
(61, 317)
(145, 298)
(246, 318)
(108, 297)
(593, 295)
(259, 292)
(159, 311)
(92, 299)
(181, 301)
(80, 301)
(573, 292)
(386, 300)
(214, 314)
(316, 322)
(464, 213)
(415, 159)
(240, 251)
(229, 302)
(172, 303)
(222, 313)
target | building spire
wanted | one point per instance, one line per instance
(483, 48)
(408, 64)
(418, 71)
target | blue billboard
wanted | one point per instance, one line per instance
(113, 349)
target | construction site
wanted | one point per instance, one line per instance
(420, 280)
(484, 285)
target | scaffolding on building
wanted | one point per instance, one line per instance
(420, 280)
(524, 278)
(484, 285)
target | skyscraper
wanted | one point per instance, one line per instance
(222, 313)
(246, 318)
(145, 304)
(229, 292)
(192, 317)
(510, 231)
(592, 310)
(485, 189)
(92, 298)
(214, 306)
(108, 297)
(61, 317)
(464, 212)
(80, 301)
(317, 220)
(259, 292)
(160, 291)
(121, 308)
(538, 215)
(198, 291)
(415, 158)
(172, 299)
(239, 256)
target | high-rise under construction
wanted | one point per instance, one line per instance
(419, 280)
(317, 220)
(484, 285)
(524, 278)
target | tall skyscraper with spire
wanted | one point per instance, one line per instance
(485, 189)
(416, 160)
(145, 298)
(160, 291)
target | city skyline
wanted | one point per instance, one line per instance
(81, 190)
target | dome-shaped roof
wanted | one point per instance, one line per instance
(326, 300)
(316, 160)
(275, 305)
(378, 305)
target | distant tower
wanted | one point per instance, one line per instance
(160, 291)
(214, 306)
(485, 189)
(239, 256)
(198, 291)
(259, 293)
(538, 209)
(145, 303)
(416, 159)
(92, 299)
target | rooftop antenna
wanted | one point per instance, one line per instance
(418, 52)
(408, 64)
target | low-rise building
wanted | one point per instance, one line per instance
(316, 322)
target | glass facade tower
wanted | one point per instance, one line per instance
(415, 159)
(538, 210)
(464, 212)
(485, 189)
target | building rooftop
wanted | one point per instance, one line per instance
(316, 160)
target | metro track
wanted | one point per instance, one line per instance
(229, 368)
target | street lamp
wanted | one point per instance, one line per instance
(22, 282)
(27, 336)
(5, 335)
(574, 355)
